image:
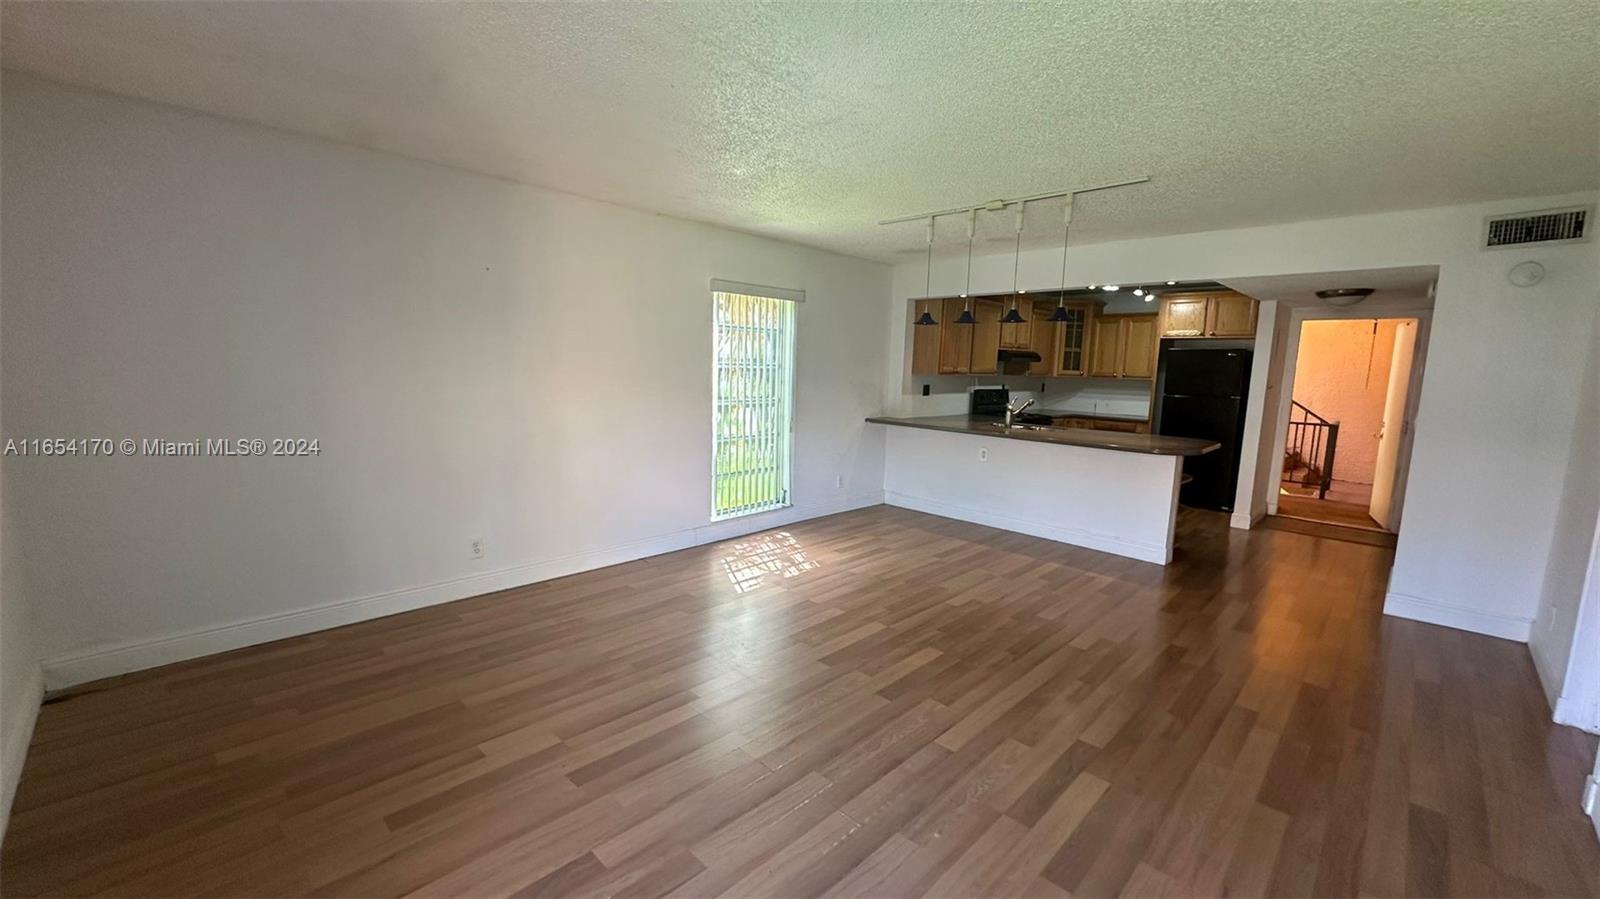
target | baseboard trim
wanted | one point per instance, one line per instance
(1144, 552)
(1416, 608)
(138, 655)
(1569, 711)
(1244, 521)
(15, 752)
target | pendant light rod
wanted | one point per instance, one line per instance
(1016, 260)
(1065, 231)
(927, 286)
(995, 205)
(972, 231)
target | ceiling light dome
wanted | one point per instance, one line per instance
(1344, 296)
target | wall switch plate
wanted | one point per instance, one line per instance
(838, 482)
(983, 454)
(477, 547)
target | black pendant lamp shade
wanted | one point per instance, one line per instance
(1013, 317)
(965, 318)
(1060, 315)
(926, 318)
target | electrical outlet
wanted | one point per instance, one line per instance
(477, 547)
(983, 454)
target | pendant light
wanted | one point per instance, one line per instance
(966, 308)
(1014, 317)
(1060, 315)
(926, 318)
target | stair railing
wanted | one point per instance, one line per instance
(1309, 451)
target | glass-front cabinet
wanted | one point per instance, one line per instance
(1072, 338)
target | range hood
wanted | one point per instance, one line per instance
(1016, 362)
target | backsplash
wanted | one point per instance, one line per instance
(948, 394)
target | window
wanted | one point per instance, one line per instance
(751, 403)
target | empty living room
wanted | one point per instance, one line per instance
(800, 449)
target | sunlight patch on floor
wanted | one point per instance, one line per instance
(754, 560)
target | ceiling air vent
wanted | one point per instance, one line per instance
(1545, 226)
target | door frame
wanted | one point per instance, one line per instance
(1298, 316)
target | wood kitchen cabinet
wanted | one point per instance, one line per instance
(1017, 336)
(986, 335)
(1042, 338)
(1217, 313)
(1069, 357)
(955, 341)
(1123, 346)
(1139, 345)
(925, 338)
(1231, 315)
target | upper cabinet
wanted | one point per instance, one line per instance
(925, 338)
(986, 335)
(1123, 346)
(1232, 315)
(1219, 313)
(1018, 336)
(1066, 349)
(955, 341)
(1069, 355)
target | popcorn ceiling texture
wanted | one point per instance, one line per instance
(811, 121)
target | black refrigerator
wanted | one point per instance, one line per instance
(1203, 395)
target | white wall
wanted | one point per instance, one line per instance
(21, 687)
(477, 358)
(1497, 408)
(1570, 671)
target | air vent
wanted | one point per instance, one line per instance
(1544, 226)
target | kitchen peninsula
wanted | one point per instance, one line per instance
(1105, 490)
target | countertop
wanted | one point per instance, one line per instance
(1152, 444)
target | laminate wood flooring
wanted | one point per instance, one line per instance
(878, 703)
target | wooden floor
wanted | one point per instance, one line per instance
(878, 703)
(1327, 511)
(1370, 537)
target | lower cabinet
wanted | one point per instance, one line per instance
(1103, 424)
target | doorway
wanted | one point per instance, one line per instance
(1346, 436)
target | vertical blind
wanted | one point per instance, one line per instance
(752, 388)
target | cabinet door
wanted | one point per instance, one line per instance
(925, 338)
(955, 341)
(1072, 343)
(1184, 316)
(986, 336)
(1105, 346)
(1018, 336)
(1043, 339)
(1231, 315)
(1140, 341)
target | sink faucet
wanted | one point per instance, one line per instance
(1012, 410)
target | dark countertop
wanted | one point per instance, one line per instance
(1152, 444)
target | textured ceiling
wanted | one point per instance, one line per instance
(810, 122)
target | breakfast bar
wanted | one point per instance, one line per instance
(1104, 490)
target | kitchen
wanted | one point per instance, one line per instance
(1125, 401)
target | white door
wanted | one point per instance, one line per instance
(1396, 430)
